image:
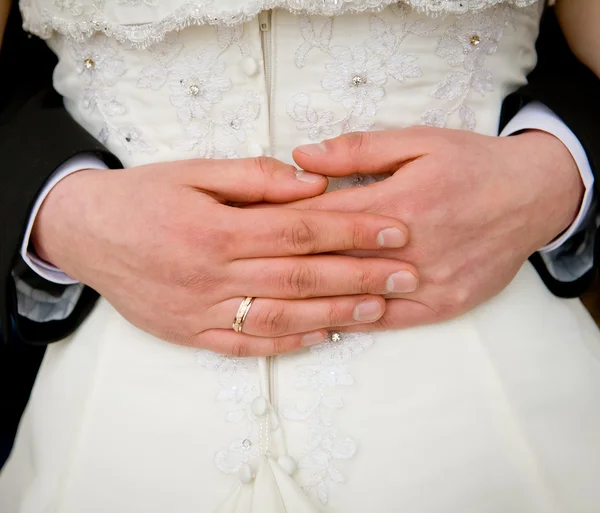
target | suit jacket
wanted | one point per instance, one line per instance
(37, 135)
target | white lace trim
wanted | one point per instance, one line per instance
(324, 380)
(237, 388)
(90, 18)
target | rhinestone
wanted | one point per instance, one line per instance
(128, 138)
(246, 444)
(357, 80)
(194, 90)
(475, 40)
(235, 124)
(336, 337)
(89, 63)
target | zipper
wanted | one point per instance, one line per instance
(264, 23)
(265, 19)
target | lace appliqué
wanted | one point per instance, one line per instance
(100, 66)
(466, 45)
(197, 82)
(222, 12)
(356, 76)
(149, 3)
(326, 444)
(237, 390)
(77, 8)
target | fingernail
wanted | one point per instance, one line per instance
(312, 149)
(369, 310)
(311, 339)
(402, 281)
(305, 176)
(391, 238)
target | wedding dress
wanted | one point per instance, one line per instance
(497, 411)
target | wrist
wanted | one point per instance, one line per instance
(59, 216)
(553, 180)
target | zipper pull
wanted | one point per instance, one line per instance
(264, 21)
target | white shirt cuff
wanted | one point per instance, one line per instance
(44, 269)
(536, 116)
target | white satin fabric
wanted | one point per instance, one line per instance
(497, 411)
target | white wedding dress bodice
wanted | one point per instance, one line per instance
(497, 411)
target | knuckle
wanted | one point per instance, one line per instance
(300, 236)
(366, 281)
(201, 279)
(302, 281)
(359, 236)
(213, 236)
(461, 297)
(273, 321)
(441, 275)
(279, 346)
(266, 165)
(386, 323)
(336, 315)
(240, 349)
(453, 303)
(356, 142)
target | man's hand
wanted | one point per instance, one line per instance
(476, 207)
(163, 245)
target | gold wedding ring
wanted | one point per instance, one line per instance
(242, 313)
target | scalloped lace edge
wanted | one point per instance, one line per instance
(203, 12)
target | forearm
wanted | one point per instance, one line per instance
(36, 136)
(572, 92)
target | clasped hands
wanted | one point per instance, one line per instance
(175, 247)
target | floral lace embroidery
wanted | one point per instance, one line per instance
(219, 12)
(76, 8)
(326, 444)
(356, 76)
(237, 390)
(197, 82)
(100, 66)
(149, 3)
(467, 44)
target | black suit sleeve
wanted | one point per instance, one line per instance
(36, 136)
(572, 91)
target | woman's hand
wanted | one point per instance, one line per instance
(580, 22)
(161, 243)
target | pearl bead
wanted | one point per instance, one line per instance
(250, 66)
(288, 464)
(246, 474)
(259, 406)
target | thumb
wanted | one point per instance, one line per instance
(360, 152)
(253, 180)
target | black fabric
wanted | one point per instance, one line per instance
(36, 136)
(572, 91)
